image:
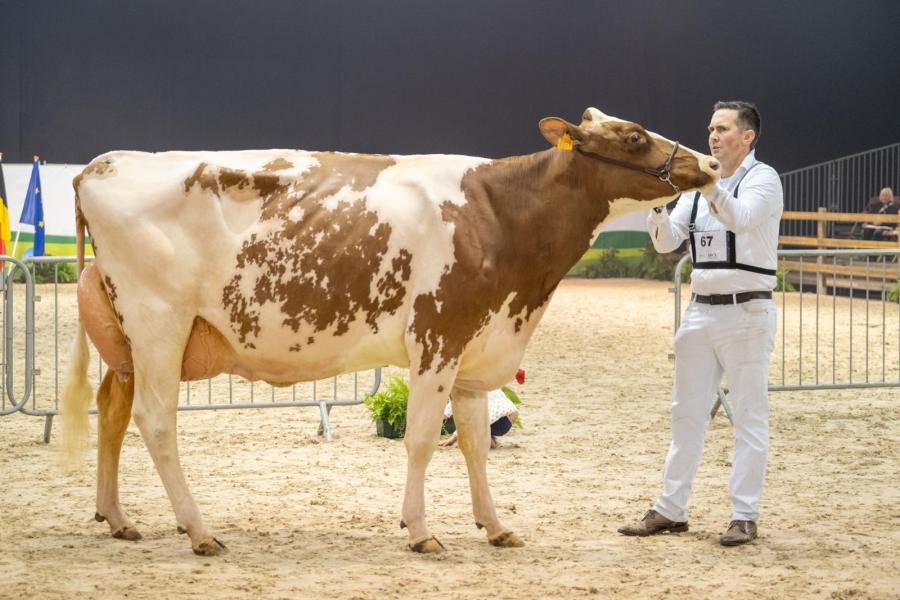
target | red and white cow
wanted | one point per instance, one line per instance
(286, 266)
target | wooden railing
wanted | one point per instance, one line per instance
(876, 271)
(822, 216)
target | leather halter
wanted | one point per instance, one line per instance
(663, 172)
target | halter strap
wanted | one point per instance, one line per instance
(662, 172)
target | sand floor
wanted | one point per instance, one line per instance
(308, 519)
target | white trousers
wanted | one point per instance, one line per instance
(736, 339)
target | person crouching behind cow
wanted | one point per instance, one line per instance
(729, 325)
(502, 415)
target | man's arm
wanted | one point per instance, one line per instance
(760, 196)
(668, 231)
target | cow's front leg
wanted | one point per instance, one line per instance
(427, 397)
(156, 381)
(470, 413)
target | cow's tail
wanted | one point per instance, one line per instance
(77, 393)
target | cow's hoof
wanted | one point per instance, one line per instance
(127, 533)
(211, 547)
(507, 539)
(429, 546)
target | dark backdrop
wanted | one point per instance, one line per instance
(413, 76)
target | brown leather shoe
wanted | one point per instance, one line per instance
(653, 523)
(739, 532)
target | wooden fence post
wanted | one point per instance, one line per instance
(820, 241)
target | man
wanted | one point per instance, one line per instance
(729, 325)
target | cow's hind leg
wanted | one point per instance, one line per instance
(156, 380)
(427, 396)
(114, 399)
(470, 413)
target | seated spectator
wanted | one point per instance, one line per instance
(502, 414)
(890, 201)
(885, 204)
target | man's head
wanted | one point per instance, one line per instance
(733, 132)
(886, 195)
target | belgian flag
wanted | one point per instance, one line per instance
(4, 213)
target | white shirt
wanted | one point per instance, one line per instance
(498, 406)
(753, 216)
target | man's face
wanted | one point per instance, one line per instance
(726, 140)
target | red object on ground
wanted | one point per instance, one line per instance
(520, 376)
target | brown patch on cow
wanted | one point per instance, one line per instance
(266, 184)
(113, 295)
(110, 288)
(318, 271)
(440, 389)
(526, 221)
(243, 186)
(203, 175)
(279, 164)
(233, 178)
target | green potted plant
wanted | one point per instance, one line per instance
(388, 408)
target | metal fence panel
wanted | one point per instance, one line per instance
(841, 185)
(55, 334)
(841, 329)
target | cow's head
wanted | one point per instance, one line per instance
(653, 169)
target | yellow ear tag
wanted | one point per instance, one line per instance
(564, 142)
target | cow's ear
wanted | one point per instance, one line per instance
(553, 128)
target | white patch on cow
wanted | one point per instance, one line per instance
(324, 283)
(296, 213)
(317, 239)
(408, 197)
(623, 206)
(598, 116)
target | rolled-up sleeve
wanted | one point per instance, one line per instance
(668, 231)
(761, 196)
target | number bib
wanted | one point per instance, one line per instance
(712, 246)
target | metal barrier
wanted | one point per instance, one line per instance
(43, 385)
(839, 327)
(7, 379)
(842, 185)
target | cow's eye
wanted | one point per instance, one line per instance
(635, 138)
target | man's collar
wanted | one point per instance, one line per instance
(745, 165)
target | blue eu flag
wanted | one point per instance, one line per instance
(33, 210)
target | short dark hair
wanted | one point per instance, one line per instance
(747, 116)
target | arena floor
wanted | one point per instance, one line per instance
(307, 519)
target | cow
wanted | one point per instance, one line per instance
(289, 265)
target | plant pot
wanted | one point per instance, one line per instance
(384, 429)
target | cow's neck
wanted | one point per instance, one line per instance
(550, 203)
